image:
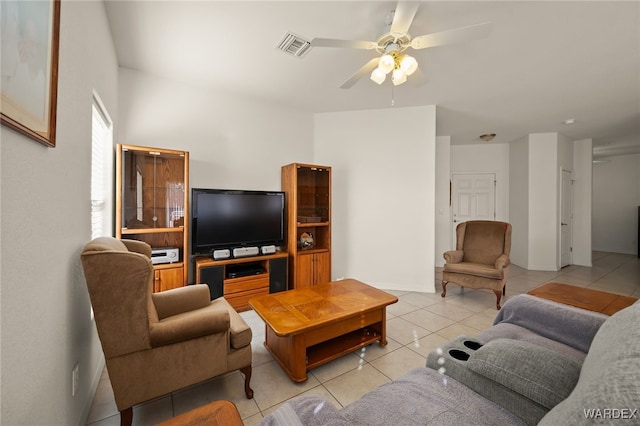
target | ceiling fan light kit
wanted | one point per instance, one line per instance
(392, 45)
(401, 64)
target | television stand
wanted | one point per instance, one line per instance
(244, 269)
(240, 279)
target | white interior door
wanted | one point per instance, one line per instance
(473, 197)
(566, 215)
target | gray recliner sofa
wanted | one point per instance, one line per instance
(541, 363)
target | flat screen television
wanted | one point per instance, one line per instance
(226, 219)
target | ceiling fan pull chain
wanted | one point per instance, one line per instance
(393, 101)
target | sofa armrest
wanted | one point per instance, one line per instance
(179, 300)
(138, 247)
(189, 325)
(453, 256)
(572, 326)
(502, 262)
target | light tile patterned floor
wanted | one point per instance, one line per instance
(417, 324)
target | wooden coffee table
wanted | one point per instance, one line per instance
(585, 298)
(309, 327)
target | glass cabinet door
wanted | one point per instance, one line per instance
(313, 194)
(153, 190)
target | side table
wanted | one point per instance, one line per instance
(585, 298)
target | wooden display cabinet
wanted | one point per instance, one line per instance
(152, 205)
(308, 189)
(268, 274)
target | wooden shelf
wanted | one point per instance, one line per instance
(207, 261)
(130, 231)
(335, 348)
(169, 265)
(312, 224)
(313, 250)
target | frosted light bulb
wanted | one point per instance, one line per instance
(398, 77)
(409, 65)
(378, 76)
(386, 63)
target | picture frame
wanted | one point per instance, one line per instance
(29, 68)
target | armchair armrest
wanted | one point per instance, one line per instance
(502, 262)
(453, 256)
(190, 325)
(138, 247)
(179, 300)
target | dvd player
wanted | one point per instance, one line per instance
(243, 270)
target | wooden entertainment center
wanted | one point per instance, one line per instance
(308, 189)
(240, 279)
(152, 206)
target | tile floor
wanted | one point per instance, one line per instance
(417, 324)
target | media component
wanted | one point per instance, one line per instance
(268, 249)
(221, 254)
(164, 255)
(245, 251)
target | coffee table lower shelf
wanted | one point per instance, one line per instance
(299, 353)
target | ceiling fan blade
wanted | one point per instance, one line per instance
(366, 69)
(403, 17)
(452, 36)
(352, 44)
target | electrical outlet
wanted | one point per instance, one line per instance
(75, 378)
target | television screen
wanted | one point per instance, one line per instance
(230, 218)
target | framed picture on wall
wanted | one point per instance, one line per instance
(29, 65)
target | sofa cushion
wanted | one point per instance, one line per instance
(421, 397)
(609, 385)
(540, 374)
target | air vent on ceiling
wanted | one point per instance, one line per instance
(294, 45)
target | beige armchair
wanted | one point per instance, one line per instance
(481, 257)
(156, 343)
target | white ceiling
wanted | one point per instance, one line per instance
(543, 62)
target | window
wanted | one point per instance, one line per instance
(101, 147)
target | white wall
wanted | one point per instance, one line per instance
(45, 211)
(444, 225)
(537, 161)
(543, 201)
(383, 194)
(582, 202)
(616, 197)
(490, 158)
(565, 163)
(233, 142)
(519, 201)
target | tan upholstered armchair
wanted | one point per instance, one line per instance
(156, 343)
(481, 257)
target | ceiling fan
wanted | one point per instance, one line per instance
(395, 41)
